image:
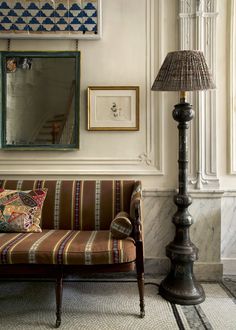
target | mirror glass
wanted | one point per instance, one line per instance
(40, 100)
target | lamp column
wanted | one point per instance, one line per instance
(180, 285)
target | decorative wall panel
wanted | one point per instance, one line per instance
(232, 88)
(47, 18)
(129, 153)
(198, 31)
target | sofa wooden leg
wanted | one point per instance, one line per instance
(140, 278)
(59, 287)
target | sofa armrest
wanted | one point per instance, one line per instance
(136, 216)
(138, 232)
(136, 211)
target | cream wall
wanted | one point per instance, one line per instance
(137, 34)
(126, 55)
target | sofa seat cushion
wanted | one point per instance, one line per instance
(69, 247)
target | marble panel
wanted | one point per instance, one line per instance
(228, 227)
(206, 229)
(158, 227)
(159, 230)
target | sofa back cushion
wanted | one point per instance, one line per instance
(78, 205)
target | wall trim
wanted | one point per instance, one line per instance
(197, 24)
(70, 171)
(230, 193)
(209, 193)
(157, 99)
(232, 82)
(158, 192)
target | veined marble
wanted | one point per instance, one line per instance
(228, 228)
(205, 233)
(158, 227)
(228, 234)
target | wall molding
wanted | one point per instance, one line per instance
(232, 86)
(206, 193)
(147, 162)
(197, 23)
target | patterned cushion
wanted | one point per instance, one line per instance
(69, 247)
(121, 226)
(20, 211)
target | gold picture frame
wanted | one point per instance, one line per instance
(113, 108)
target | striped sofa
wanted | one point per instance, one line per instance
(76, 235)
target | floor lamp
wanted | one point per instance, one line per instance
(182, 71)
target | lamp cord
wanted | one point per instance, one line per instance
(152, 283)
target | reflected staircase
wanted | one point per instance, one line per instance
(59, 128)
(49, 132)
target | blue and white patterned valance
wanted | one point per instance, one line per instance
(50, 18)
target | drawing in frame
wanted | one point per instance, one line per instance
(113, 108)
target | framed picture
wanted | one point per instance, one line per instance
(113, 108)
(50, 19)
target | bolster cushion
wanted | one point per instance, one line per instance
(121, 227)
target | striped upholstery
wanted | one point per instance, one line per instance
(75, 220)
(68, 247)
(79, 205)
(136, 198)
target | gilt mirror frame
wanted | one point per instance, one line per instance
(4, 55)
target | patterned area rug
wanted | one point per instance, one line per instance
(111, 306)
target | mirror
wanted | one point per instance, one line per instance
(40, 100)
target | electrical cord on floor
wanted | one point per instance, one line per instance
(226, 279)
(152, 283)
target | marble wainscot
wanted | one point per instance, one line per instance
(205, 232)
(228, 230)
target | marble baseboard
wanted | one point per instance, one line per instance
(229, 266)
(203, 271)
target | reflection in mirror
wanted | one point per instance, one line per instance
(40, 107)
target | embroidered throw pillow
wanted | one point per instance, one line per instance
(20, 211)
(121, 226)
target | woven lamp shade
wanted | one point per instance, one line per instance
(184, 70)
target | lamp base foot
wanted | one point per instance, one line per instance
(181, 291)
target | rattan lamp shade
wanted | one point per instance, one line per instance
(184, 70)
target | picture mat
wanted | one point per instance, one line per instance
(113, 108)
